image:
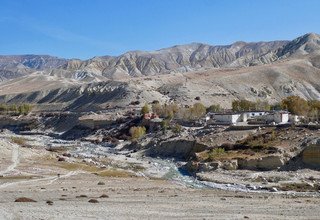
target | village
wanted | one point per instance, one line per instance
(246, 115)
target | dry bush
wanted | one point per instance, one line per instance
(137, 132)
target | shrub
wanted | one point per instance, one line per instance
(157, 108)
(216, 153)
(145, 109)
(165, 125)
(168, 111)
(196, 111)
(22, 109)
(137, 132)
(177, 128)
(214, 108)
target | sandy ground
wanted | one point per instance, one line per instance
(28, 174)
(138, 198)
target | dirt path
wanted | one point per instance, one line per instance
(44, 181)
(14, 159)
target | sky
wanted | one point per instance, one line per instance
(87, 28)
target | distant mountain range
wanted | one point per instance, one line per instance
(296, 59)
(182, 58)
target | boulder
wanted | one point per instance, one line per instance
(230, 165)
(210, 166)
(194, 167)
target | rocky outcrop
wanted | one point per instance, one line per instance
(194, 167)
(311, 155)
(230, 165)
(179, 149)
(18, 123)
(262, 163)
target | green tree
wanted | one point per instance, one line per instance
(243, 105)
(296, 105)
(246, 105)
(197, 111)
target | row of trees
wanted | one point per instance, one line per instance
(245, 105)
(22, 109)
(170, 111)
(294, 104)
(299, 106)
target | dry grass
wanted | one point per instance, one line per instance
(21, 177)
(115, 173)
(19, 140)
(300, 187)
(96, 170)
(51, 160)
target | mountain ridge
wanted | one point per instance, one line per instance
(178, 58)
(267, 71)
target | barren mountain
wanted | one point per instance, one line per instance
(19, 65)
(183, 58)
(217, 74)
(37, 62)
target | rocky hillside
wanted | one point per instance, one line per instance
(183, 58)
(20, 65)
(216, 74)
(177, 59)
(37, 62)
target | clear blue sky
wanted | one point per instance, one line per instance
(87, 28)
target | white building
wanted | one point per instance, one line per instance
(294, 118)
(254, 114)
(279, 117)
(227, 118)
